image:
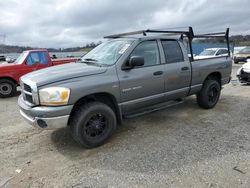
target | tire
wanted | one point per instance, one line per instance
(209, 95)
(7, 88)
(236, 62)
(92, 124)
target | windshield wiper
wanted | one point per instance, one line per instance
(90, 62)
(89, 59)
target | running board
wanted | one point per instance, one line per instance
(154, 108)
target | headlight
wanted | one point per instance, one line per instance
(54, 96)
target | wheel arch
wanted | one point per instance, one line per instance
(214, 76)
(9, 78)
(103, 97)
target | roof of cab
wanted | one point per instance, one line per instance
(37, 50)
(148, 37)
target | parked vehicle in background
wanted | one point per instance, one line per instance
(242, 56)
(243, 73)
(238, 48)
(7, 60)
(28, 61)
(121, 78)
(2, 58)
(212, 52)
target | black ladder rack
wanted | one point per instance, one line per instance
(188, 33)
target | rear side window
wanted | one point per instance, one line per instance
(172, 51)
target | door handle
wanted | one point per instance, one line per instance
(157, 73)
(184, 68)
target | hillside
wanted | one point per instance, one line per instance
(19, 49)
(237, 40)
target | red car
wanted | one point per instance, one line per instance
(28, 61)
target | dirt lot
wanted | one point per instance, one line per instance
(182, 146)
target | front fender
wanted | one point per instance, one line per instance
(7, 76)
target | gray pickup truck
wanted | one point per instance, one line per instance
(125, 76)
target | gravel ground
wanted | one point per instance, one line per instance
(182, 146)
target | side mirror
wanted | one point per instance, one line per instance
(136, 61)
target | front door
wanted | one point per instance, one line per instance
(142, 86)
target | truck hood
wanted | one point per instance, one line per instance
(7, 66)
(62, 72)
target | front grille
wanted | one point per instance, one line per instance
(240, 59)
(245, 75)
(27, 88)
(29, 98)
(27, 93)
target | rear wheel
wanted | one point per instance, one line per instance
(92, 124)
(209, 95)
(7, 88)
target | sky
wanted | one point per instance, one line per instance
(70, 23)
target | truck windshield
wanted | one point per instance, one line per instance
(208, 52)
(21, 58)
(108, 52)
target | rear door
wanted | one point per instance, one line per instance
(142, 86)
(177, 70)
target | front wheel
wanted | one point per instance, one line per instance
(236, 62)
(92, 124)
(7, 88)
(209, 95)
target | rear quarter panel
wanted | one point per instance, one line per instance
(204, 67)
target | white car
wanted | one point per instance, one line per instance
(212, 52)
(243, 73)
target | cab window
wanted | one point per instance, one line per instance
(37, 58)
(172, 51)
(149, 51)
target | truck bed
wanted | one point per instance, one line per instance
(203, 67)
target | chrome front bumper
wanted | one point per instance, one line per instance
(44, 117)
(46, 123)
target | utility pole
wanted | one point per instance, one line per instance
(2, 42)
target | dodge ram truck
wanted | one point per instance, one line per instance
(130, 74)
(28, 61)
